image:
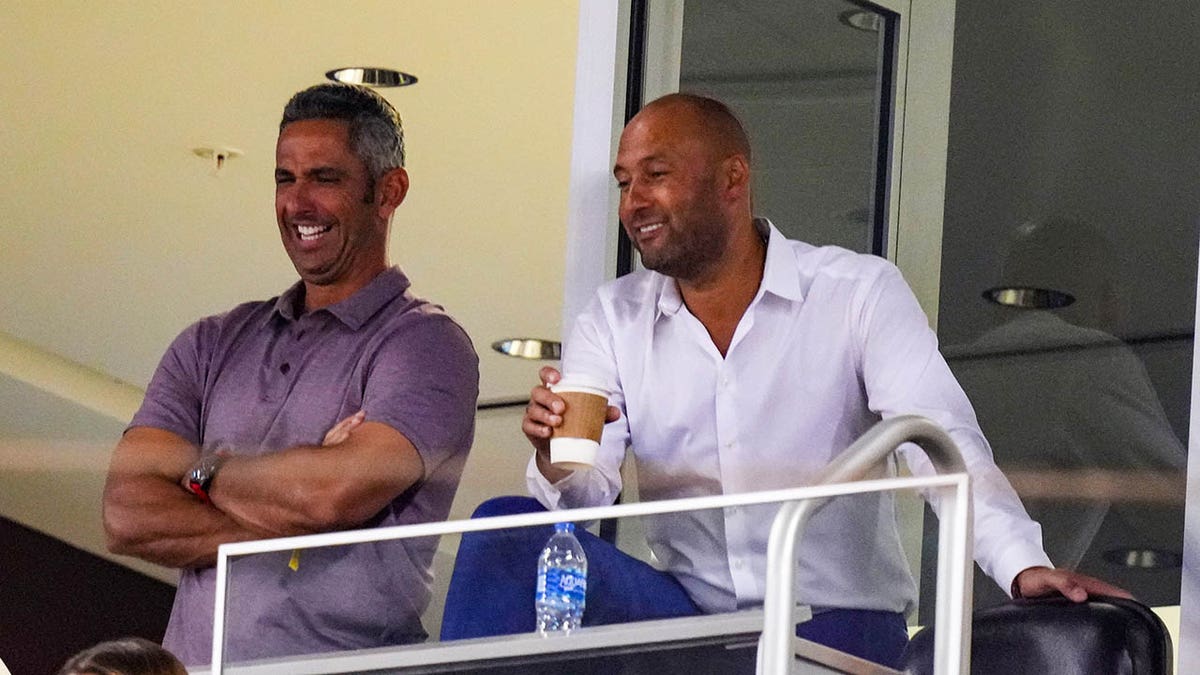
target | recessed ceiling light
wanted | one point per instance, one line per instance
(861, 19)
(372, 77)
(529, 348)
(1144, 558)
(1028, 297)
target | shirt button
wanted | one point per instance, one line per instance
(284, 368)
(738, 564)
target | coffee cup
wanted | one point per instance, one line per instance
(574, 443)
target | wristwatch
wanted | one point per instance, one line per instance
(200, 478)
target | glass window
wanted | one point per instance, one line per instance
(805, 78)
(1069, 270)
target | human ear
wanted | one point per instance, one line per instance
(737, 175)
(393, 187)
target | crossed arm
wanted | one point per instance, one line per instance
(358, 470)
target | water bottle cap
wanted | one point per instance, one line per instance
(564, 527)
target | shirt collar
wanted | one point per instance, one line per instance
(779, 272)
(355, 310)
(669, 297)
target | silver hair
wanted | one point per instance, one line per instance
(376, 133)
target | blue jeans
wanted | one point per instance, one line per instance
(495, 574)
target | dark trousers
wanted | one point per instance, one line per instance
(495, 574)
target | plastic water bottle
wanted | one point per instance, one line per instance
(561, 582)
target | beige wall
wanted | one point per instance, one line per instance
(116, 236)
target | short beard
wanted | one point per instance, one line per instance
(695, 256)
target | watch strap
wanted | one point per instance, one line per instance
(201, 475)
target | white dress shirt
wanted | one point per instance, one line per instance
(832, 342)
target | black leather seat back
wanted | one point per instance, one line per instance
(1059, 637)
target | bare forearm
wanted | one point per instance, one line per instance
(309, 489)
(149, 514)
(155, 520)
(276, 493)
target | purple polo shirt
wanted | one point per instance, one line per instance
(261, 378)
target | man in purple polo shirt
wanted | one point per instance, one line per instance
(346, 402)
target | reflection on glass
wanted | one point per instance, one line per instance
(1059, 397)
(1052, 117)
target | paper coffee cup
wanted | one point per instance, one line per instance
(574, 444)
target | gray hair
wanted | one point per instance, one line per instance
(376, 134)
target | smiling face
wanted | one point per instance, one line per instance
(671, 179)
(333, 218)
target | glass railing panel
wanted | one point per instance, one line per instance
(725, 630)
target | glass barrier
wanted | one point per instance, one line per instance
(488, 622)
(1068, 285)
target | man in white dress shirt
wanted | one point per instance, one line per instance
(743, 361)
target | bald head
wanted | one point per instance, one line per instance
(684, 176)
(704, 119)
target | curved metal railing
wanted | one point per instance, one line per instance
(954, 554)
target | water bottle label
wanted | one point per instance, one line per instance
(562, 582)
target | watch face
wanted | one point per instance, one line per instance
(201, 476)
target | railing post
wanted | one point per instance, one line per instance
(853, 464)
(220, 615)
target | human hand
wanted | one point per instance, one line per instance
(341, 431)
(1034, 582)
(545, 410)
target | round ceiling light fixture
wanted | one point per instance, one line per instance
(529, 348)
(372, 77)
(1144, 558)
(1028, 297)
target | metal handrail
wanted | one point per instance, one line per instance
(954, 555)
